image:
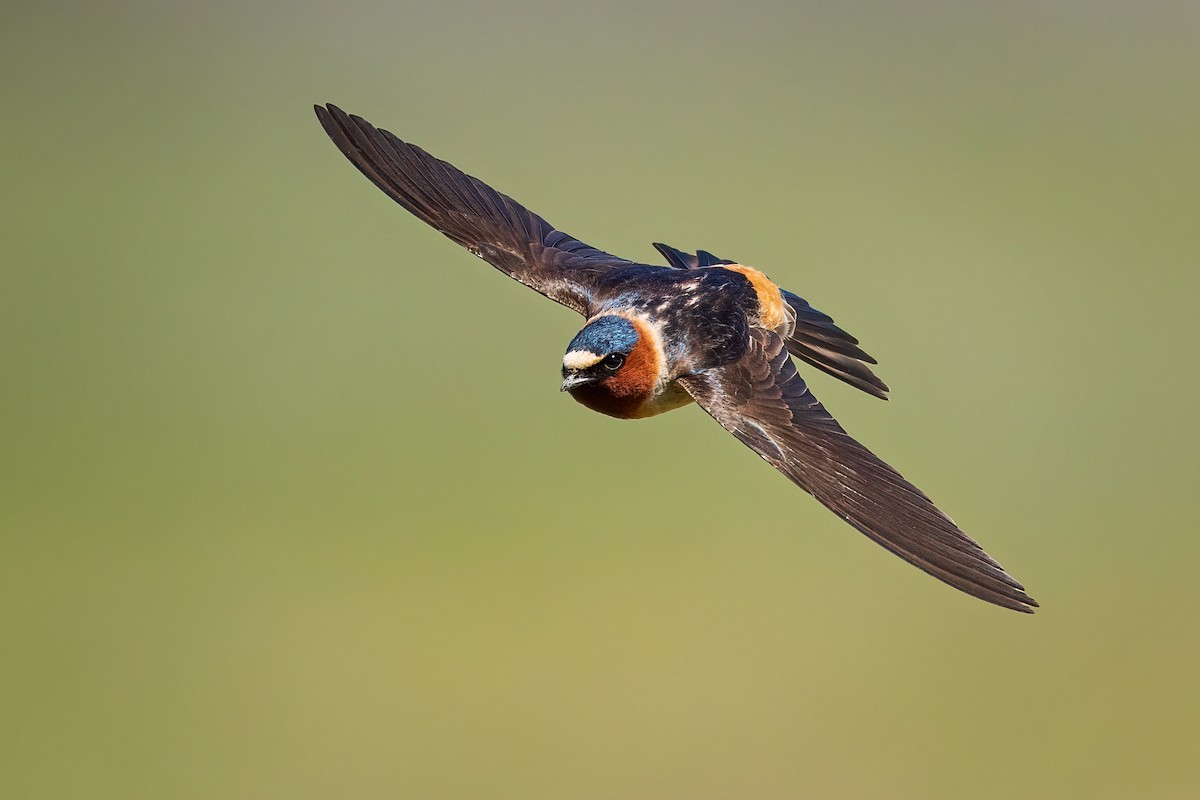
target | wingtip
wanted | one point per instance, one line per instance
(676, 259)
(330, 113)
(1019, 600)
(666, 250)
(1004, 597)
(1014, 597)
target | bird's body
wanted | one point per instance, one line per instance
(702, 329)
(680, 323)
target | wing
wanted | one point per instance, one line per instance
(762, 401)
(491, 225)
(816, 340)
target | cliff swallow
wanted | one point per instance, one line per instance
(701, 329)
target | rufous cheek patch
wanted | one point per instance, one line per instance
(639, 375)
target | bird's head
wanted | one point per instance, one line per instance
(612, 365)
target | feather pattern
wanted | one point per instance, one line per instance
(815, 339)
(491, 225)
(763, 401)
(701, 337)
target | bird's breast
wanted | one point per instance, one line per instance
(602, 398)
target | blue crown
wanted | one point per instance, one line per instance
(604, 335)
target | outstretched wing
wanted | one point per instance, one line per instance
(491, 225)
(816, 340)
(762, 401)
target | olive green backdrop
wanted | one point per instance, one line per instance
(291, 506)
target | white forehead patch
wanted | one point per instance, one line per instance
(580, 359)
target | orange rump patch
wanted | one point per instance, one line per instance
(772, 310)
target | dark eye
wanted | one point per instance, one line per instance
(613, 361)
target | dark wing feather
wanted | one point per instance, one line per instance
(681, 260)
(491, 225)
(816, 340)
(762, 401)
(819, 342)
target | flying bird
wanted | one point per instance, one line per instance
(701, 329)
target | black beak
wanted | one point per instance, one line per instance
(573, 380)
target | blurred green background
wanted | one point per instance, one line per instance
(290, 505)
